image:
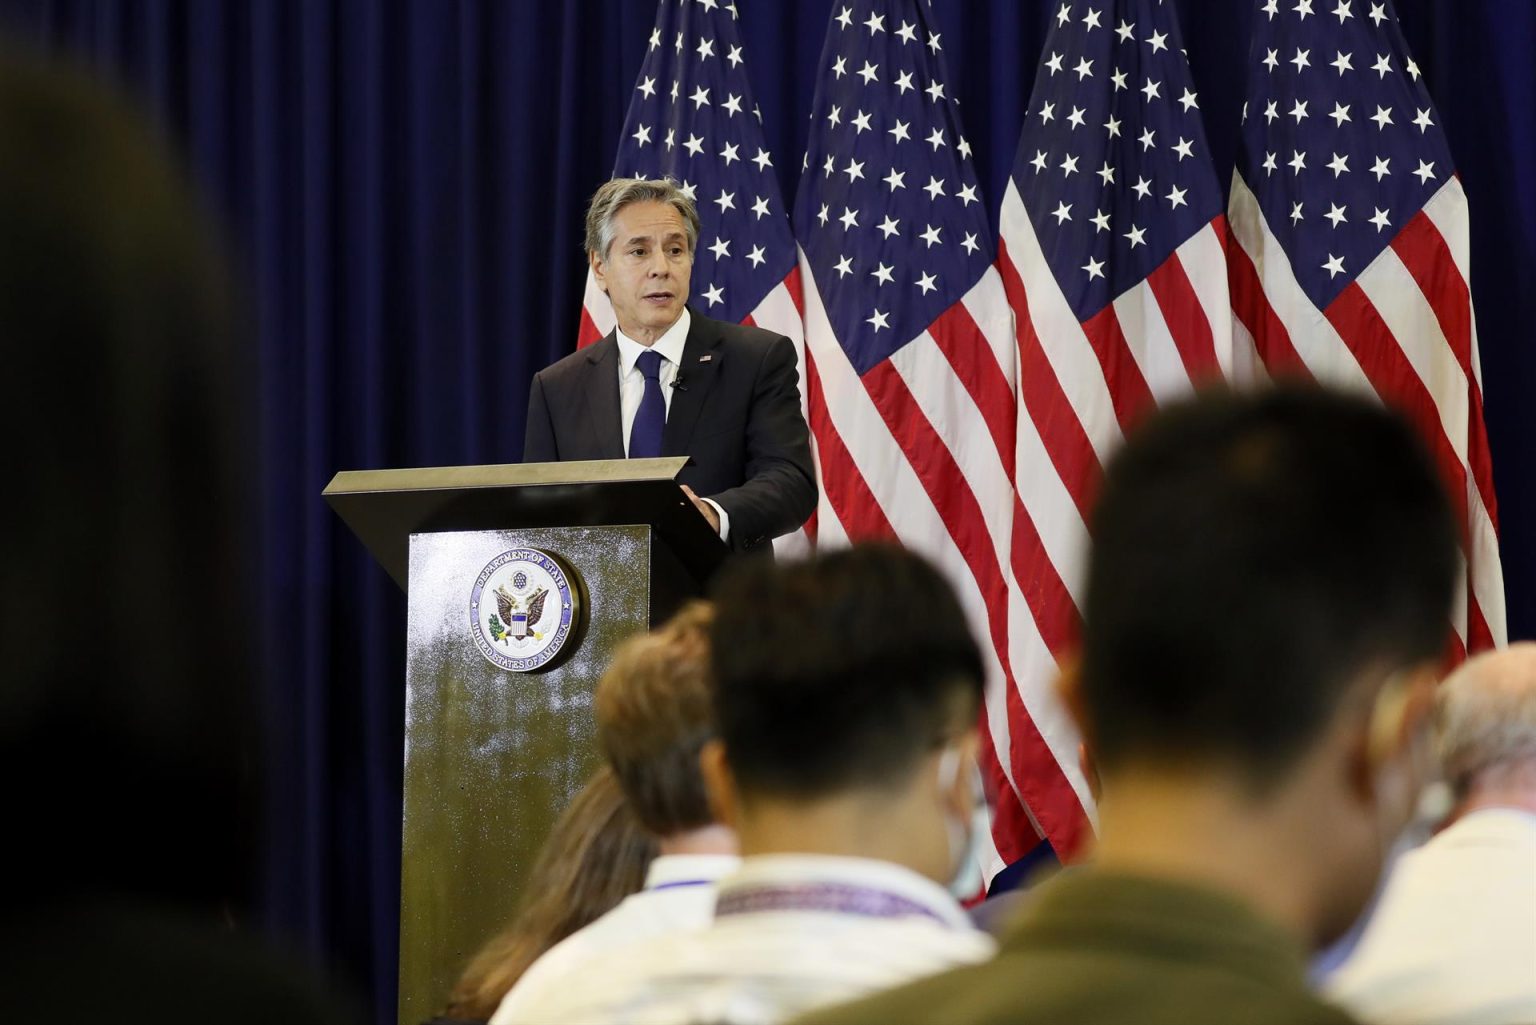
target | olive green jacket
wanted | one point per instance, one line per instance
(1115, 950)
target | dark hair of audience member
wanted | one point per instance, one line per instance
(1232, 599)
(126, 715)
(840, 672)
(596, 855)
(653, 713)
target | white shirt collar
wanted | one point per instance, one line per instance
(761, 876)
(681, 869)
(669, 345)
(1489, 822)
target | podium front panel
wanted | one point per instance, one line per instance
(491, 755)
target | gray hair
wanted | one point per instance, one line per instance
(614, 195)
(1486, 715)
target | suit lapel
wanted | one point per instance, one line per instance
(701, 362)
(601, 392)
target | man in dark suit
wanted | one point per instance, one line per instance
(668, 381)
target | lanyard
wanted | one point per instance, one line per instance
(839, 898)
(680, 883)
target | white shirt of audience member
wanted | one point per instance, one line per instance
(791, 932)
(679, 896)
(1453, 939)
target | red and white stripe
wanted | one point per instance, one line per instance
(1081, 385)
(925, 448)
(1403, 332)
(596, 314)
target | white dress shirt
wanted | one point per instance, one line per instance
(1453, 939)
(679, 896)
(791, 932)
(632, 384)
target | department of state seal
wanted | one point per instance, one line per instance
(524, 609)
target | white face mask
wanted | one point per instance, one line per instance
(965, 835)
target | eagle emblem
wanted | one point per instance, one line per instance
(524, 608)
(518, 618)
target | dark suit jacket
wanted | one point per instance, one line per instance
(737, 416)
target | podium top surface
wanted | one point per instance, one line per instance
(385, 507)
(504, 475)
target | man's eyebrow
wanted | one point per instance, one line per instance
(672, 236)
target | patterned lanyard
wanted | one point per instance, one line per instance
(837, 898)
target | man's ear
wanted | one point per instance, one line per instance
(719, 783)
(1401, 714)
(596, 263)
(1392, 726)
(959, 795)
(1069, 688)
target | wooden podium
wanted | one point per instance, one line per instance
(520, 582)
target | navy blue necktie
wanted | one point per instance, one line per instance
(651, 416)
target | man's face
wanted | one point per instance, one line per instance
(645, 271)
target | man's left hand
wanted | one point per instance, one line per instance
(707, 510)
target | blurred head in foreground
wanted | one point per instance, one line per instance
(596, 855)
(126, 704)
(847, 690)
(1269, 596)
(127, 708)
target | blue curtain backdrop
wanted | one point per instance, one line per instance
(402, 184)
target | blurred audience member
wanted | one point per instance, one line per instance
(654, 714)
(127, 706)
(847, 692)
(1267, 596)
(596, 855)
(1453, 939)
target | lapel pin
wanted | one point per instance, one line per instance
(706, 357)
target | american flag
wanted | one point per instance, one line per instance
(1350, 255)
(692, 118)
(912, 369)
(1111, 254)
